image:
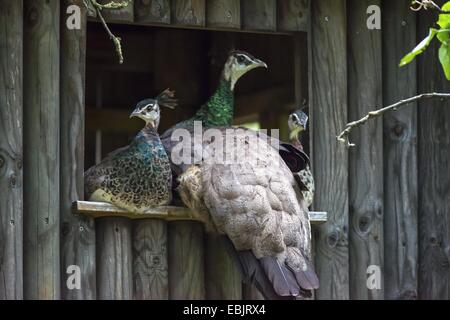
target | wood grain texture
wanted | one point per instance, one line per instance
(114, 259)
(77, 232)
(366, 159)
(223, 14)
(150, 271)
(11, 151)
(249, 292)
(186, 261)
(121, 15)
(41, 142)
(400, 155)
(260, 15)
(433, 168)
(152, 11)
(189, 12)
(330, 160)
(293, 15)
(223, 278)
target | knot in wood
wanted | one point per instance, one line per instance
(332, 239)
(156, 260)
(364, 224)
(398, 130)
(33, 17)
(12, 180)
(2, 161)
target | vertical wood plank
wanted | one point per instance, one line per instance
(329, 105)
(223, 14)
(114, 259)
(124, 14)
(223, 278)
(188, 12)
(249, 292)
(150, 260)
(11, 153)
(433, 168)
(259, 15)
(77, 232)
(366, 159)
(186, 261)
(400, 155)
(41, 142)
(152, 11)
(293, 15)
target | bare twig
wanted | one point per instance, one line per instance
(343, 137)
(425, 5)
(113, 6)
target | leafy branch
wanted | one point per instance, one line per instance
(343, 137)
(109, 6)
(442, 34)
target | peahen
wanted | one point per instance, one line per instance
(138, 176)
(257, 203)
(297, 123)
(257, 206)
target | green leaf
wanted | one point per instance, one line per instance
(444, 58)
(421, 47)
(444, 19)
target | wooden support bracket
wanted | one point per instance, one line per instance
(168, 213)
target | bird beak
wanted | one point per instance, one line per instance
(260, 63)
(135, 113)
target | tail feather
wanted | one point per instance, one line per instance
(282, 279)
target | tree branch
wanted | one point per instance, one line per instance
(112, 6)
(343, 137)
(427, 4)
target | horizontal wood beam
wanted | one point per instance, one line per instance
(168, 213)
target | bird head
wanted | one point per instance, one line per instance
(238, 64)
(297, 122)
(149, 109)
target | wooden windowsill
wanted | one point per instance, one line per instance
(169, 213)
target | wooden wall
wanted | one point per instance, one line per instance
(395, 181)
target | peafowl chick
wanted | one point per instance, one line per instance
(297, 123)
(138, 176)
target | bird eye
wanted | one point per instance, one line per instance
(241, 59)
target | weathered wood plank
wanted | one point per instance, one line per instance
(260, 15)
(11, 151)
(41, 140)
(293, 15)
(77, 232)
(186, 261)
(329, 107)
(114, 259)
(223, 278)
(433, 168)
(152, 11)
(400, 155)
(102, 209)
(118, 15)
(188, 12)
(168, 213)
(366, 159)
(150, 273)
(223, 14)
